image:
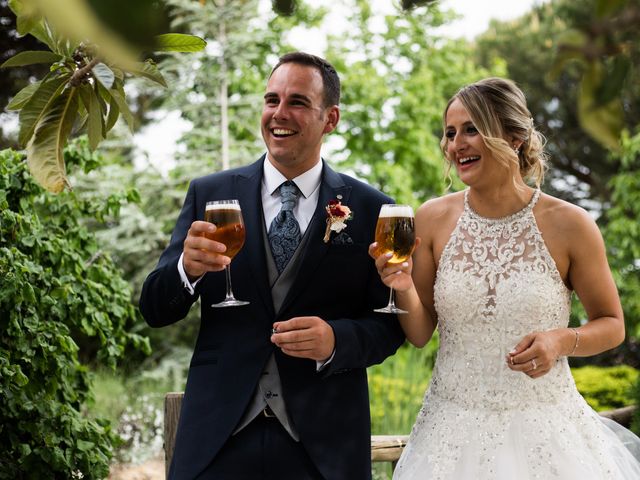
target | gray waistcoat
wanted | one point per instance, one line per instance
(269, 389)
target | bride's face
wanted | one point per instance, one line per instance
(466, 149)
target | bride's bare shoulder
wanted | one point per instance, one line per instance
(442, 208)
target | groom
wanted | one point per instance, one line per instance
(277, 389)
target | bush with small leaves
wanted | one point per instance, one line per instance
(58, 291)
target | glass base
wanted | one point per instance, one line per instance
(390, 309)
(230, 302)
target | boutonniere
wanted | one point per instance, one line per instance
(337, 215)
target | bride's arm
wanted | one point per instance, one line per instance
(413, 283)
(590, 276)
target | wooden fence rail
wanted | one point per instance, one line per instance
(384, 448)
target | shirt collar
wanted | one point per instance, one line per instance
(307, 182)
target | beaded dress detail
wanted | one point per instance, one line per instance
(496, 282)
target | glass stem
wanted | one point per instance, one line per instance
(227, 271)
(392, 298)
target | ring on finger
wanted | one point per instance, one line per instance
(534, 365)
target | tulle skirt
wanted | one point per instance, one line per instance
(568, 442)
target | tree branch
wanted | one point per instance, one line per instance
(79, 74)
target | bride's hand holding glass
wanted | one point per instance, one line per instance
(393, 275)
(395, 239)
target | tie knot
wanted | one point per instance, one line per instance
(289, 195)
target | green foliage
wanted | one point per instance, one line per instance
(604, 46)
(288, 7)
(58, 292)
(219, 90)
(575, 86)
(606, 388)
(635, 420)
(397, 386)
(179, 42)
(138, 230)
(622, 231)
(85, 84)
(395, 86)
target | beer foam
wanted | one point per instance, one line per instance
(396, 211)
(223, 206)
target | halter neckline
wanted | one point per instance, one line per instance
(507, 218)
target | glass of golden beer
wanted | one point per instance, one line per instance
(395, 234)
(227, 217)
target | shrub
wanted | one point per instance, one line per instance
(397, 387)
(63, 304)
(606, 388)
(635, 421)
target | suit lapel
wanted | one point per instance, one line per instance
(248, 191)
(331, 188)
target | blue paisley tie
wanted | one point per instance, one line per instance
(284, 233)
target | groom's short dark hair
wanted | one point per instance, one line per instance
(330, 79)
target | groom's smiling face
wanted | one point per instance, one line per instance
(295, 119)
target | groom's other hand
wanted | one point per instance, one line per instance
(305, 337)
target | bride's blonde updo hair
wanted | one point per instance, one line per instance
(498, 110)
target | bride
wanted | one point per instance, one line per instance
(494, 269)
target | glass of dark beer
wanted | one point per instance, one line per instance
(227, 217)
(395, 233)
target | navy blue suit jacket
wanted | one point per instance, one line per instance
(337, 282)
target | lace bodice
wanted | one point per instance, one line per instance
(496, 282)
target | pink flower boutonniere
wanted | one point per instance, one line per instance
(337, 215)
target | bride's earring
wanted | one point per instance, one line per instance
(516, 150)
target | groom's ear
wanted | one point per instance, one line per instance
(333, 117)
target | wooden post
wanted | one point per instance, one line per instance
(172, 404)
(384, 448)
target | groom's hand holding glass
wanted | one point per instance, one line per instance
(200, 254)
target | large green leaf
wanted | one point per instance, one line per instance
(91, 115)
(44, 151)
(114, 113)
(23, 96)
(38, 104)
(179, 42)
(118, 96)
(149, 70)
(74, 21)
(604, 122)
(30, 21)
(30, 57)
(95, 122)
(27, 15)
(613, 80)
(104, 75)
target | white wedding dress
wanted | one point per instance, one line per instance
(496, 282)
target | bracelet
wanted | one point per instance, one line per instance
(575, 346)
